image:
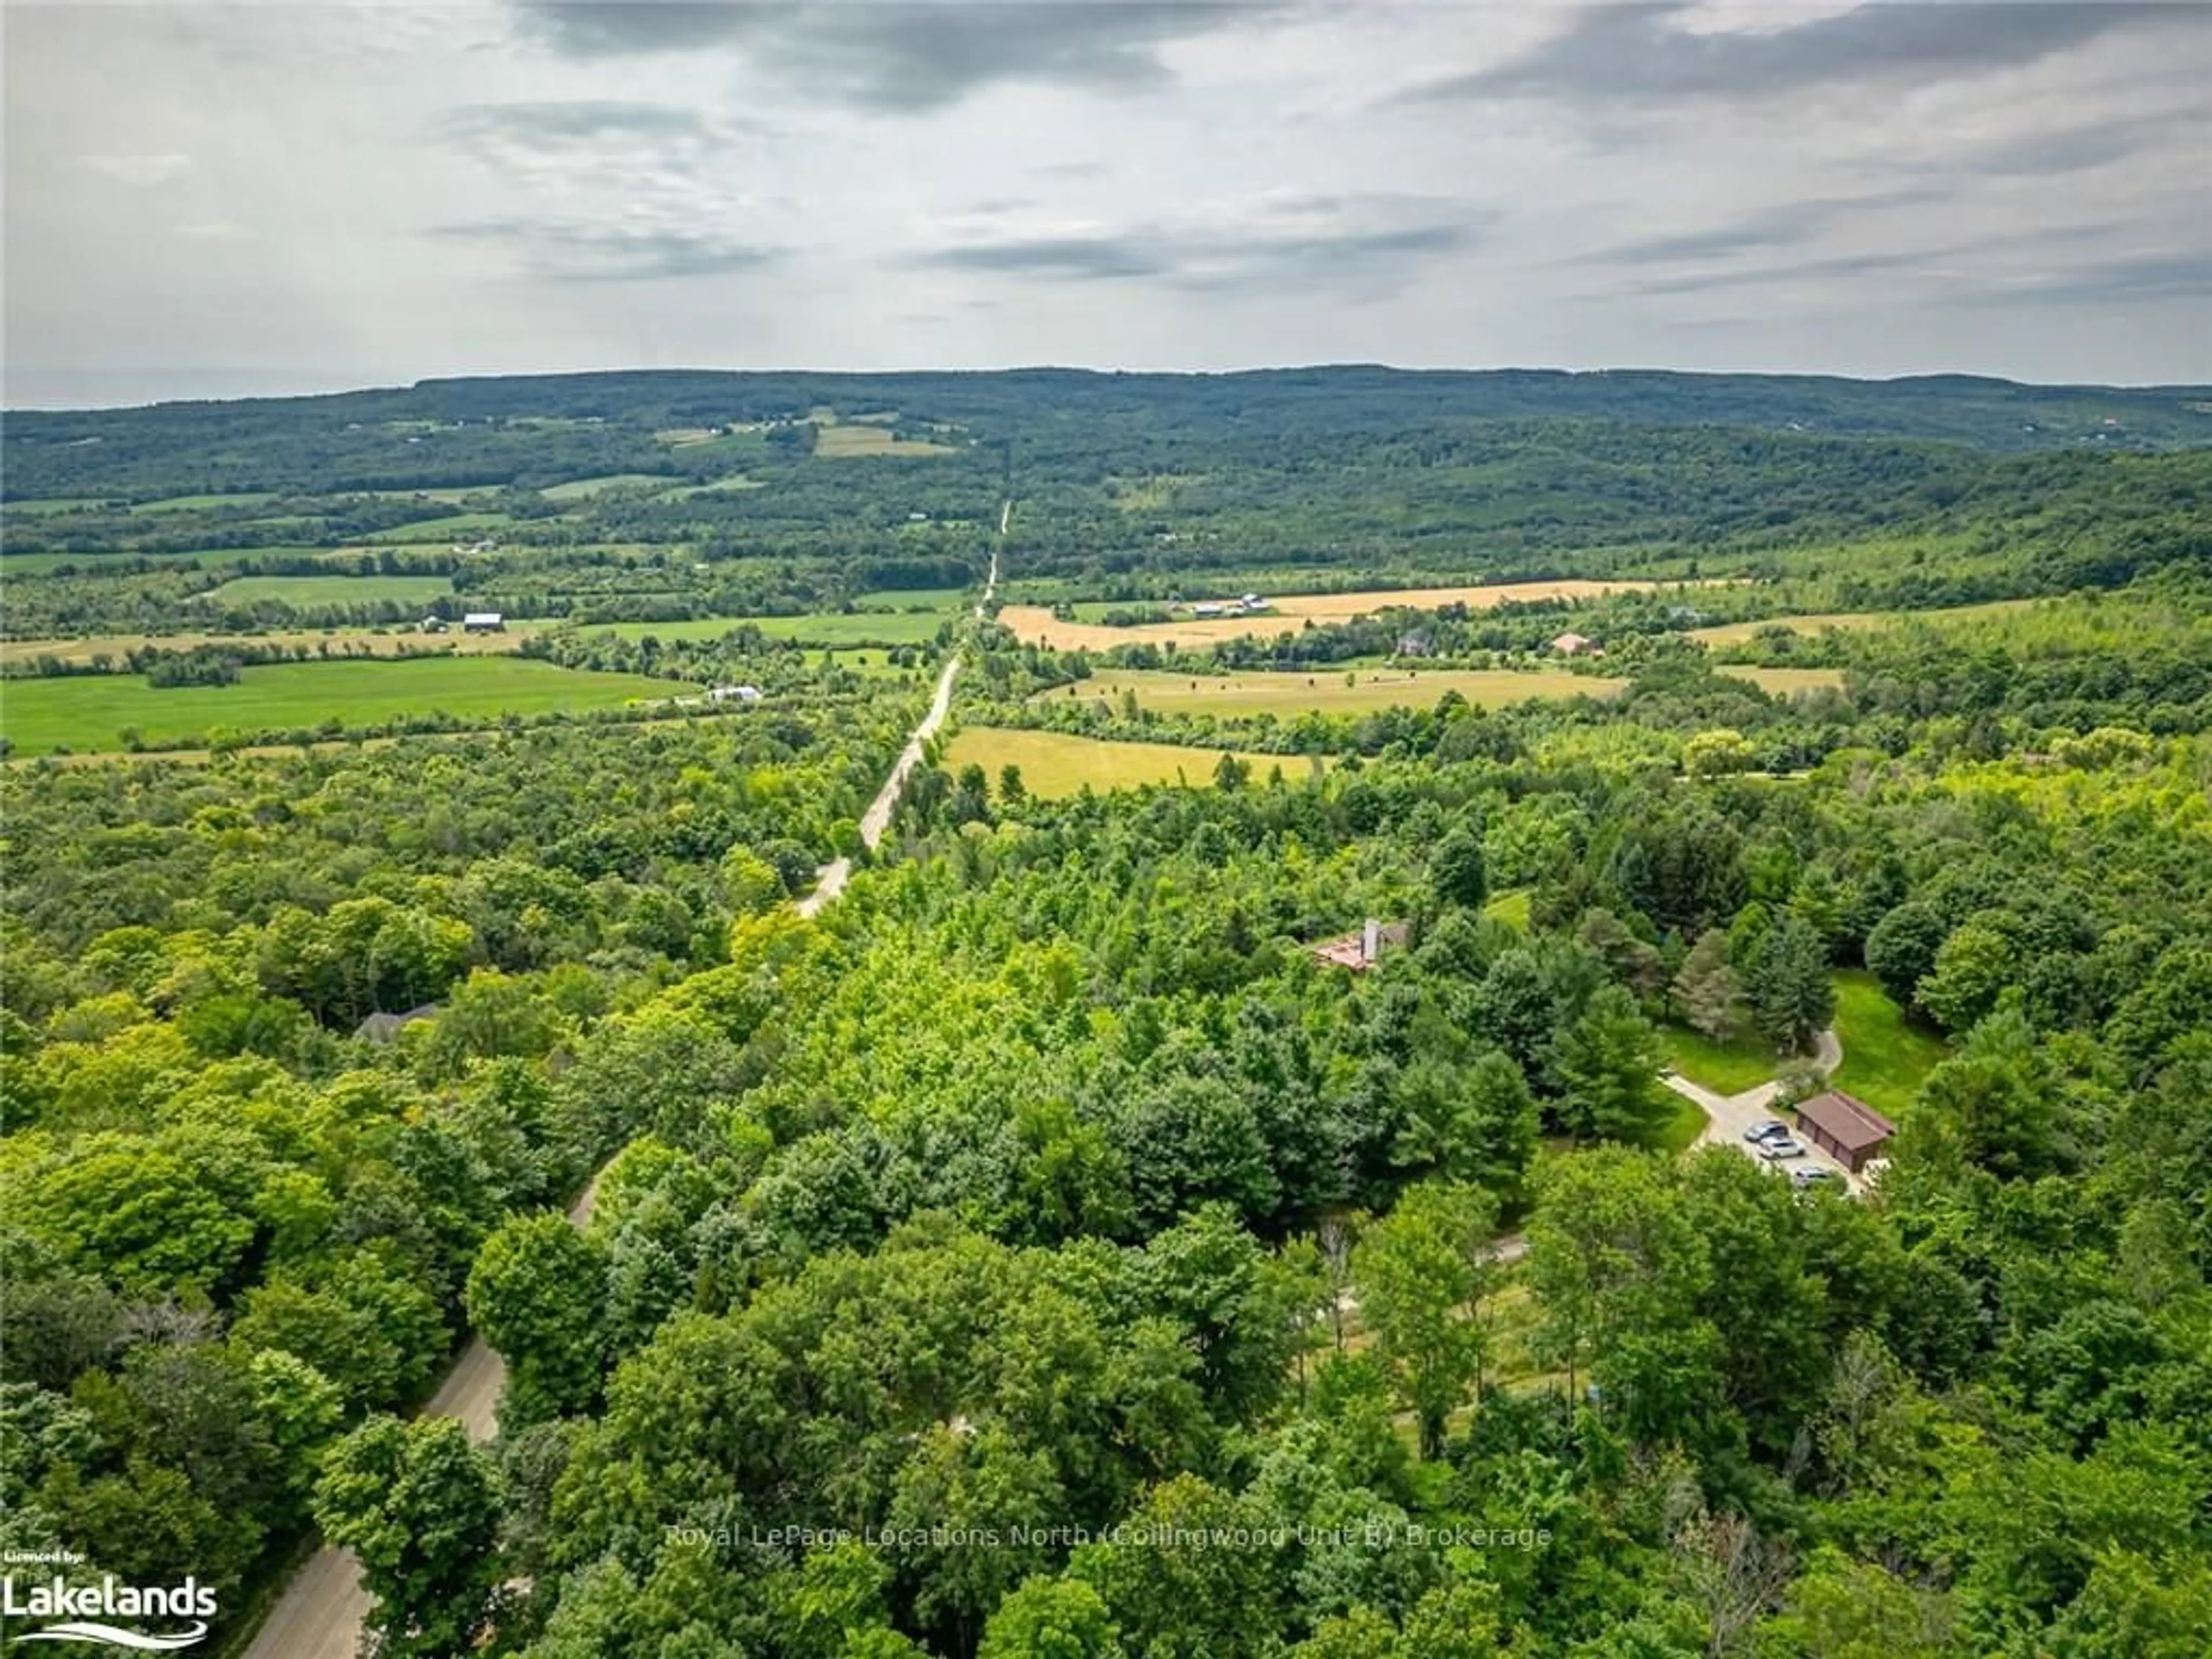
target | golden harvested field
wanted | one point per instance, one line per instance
(1035, 625)
(342, 642)
(841, 442)
(1782, 682)
(1737, 632)
(1055, 763)
(1327, 692)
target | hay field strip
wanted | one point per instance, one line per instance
(1326, 692)
(1035, 625)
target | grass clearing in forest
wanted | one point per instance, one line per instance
(324, 592)
(1287, 614)
(1744, 1062)
(1055, 763)
(1327, 691)
(1887, 1054)
(92, 711)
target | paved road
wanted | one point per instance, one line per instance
(322, 1610)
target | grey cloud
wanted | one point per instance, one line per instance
(902, 57)
(1079, 257)
(2075, 150)
(1638, 53)
(2138, 279)
(1786, 225)
(1365, 261)
(571, 251)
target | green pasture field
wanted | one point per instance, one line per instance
(861, 628)
(914, 598)
(323, 592)
(1326, 692)
(578, 489)
(91, 712)
(1054, 763)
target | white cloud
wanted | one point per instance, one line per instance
(142, 170)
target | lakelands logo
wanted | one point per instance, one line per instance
(85, 1611)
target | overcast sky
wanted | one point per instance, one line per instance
(205, 200)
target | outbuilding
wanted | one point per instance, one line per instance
(1845, 1127)
(483, 622)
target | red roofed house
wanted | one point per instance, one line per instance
(1845, 1127)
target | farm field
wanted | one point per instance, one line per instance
(89, 712)
(1327, 692)
(342, 642)
(1785, 682)
(1035, 625)
(315, 592)
(1054, 763)
(859, 628)
(912, 599)
(1725, 634)
(581, 489)
(846, 441)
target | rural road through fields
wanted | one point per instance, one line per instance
(321, 1612)
(831, 879)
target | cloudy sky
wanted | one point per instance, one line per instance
(206, 200)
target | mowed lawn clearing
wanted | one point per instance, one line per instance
(1287, 614)
(91, 712)
(1329, 692)
(327, 593)
(1744, 1062)
(1887, 1055)
(1786, 682)
(1055, 763)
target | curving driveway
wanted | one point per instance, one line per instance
(1727, 1116)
